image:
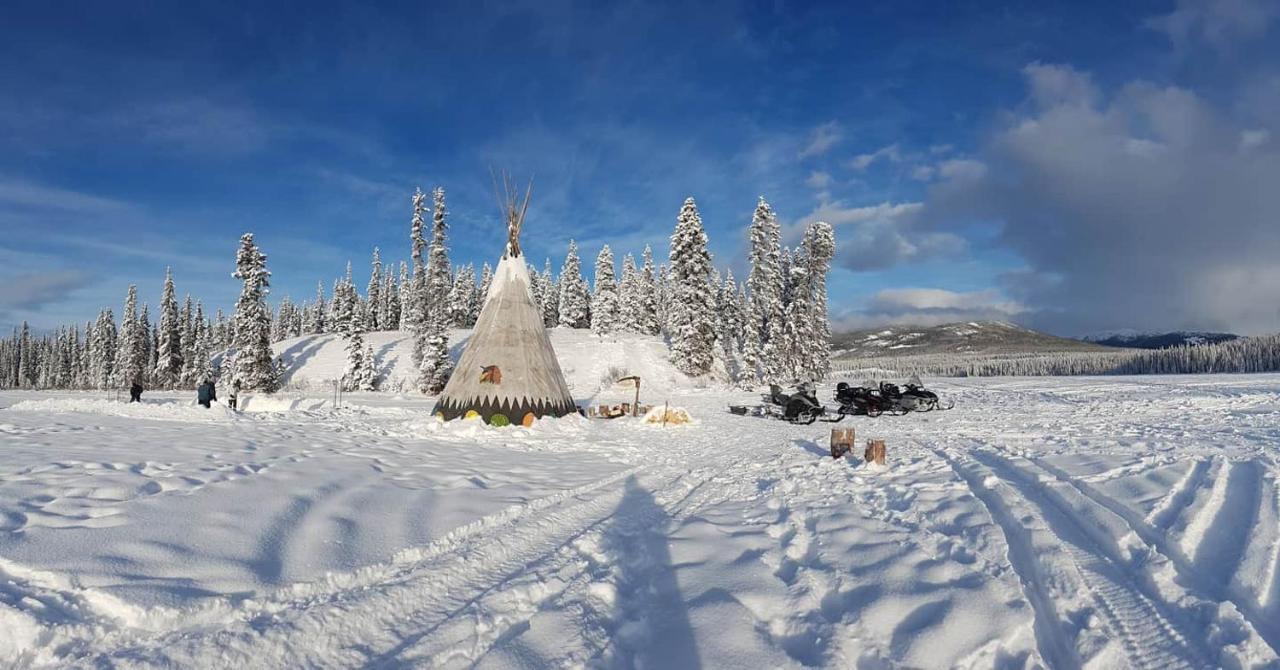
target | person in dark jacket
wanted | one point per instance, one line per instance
(206, 394)
(135, 392)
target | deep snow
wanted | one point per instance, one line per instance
(1065, 522)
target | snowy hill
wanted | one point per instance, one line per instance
(971, 337)
(1132, 339)
(590, 363)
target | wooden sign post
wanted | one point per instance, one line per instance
(875, 452)
(841, 441)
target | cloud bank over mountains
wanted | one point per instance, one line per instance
(1141, 202)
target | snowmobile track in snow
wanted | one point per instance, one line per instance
(358, 618)
(499, 570)
(1142, 625)
(1244, 504)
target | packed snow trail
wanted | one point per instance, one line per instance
(1054, 523)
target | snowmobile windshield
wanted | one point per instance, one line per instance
(915, 381)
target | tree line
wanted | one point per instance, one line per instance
(773, 327)
(1242, 355)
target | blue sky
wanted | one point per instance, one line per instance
(1070, 165)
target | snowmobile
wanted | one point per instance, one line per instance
(801, 407)
(925, 400)
(896, 402)
(860, 400)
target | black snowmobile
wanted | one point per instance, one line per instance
(860, 400)
(801, 407)
(895, 400)
(925, 400)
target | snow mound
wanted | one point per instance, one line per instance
(591, 363)
(162, 410)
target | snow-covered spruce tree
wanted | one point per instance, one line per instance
(131, 347)
(462, 298)
(628, 296)
(187, 325)
(252, 365)
(169, 337)
(390, 302)
(730, 325)
(404, 286)
(575, 302)
(102, 351)
(348, 319)
(764, 285)
(315, 322)
(26, 359)
(798, 322)
(663, 295)
(282, 327)
(368, 379)
(374, 307)
(200, 366)
(778, 356)
(414, 303)
(148, 343)
(604, 304)
(221, 334)
(647, 296)
(550, 297)
(193, 367)
(435, 368)
(692, 321)
(535, 285)
(486, 282)
(820, 246)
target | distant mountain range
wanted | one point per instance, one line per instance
(970, 337)
(1141, 340)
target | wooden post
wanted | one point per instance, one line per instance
(636, 404)
(841, 441)
(875, 452)
(666, 406)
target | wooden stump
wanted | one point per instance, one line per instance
(841, 441)
(875, 452)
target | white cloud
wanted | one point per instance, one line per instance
(936, 299)
(1253, 138)
(28, 195)
(961, 168)
(876, 237)
(836, 213)
(890, 153)
(819, 180)
(1219, 23)
(923, 172)
(822, 138)
(1133, 202)
(1053, 85)
(929, 307)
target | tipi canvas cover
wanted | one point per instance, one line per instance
(508, 373)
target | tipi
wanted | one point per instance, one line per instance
(508, 373)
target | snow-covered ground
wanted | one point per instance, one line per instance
(1064, 522)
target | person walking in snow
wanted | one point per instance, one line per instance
(206, 394)
(135, 392)
(235, 393)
